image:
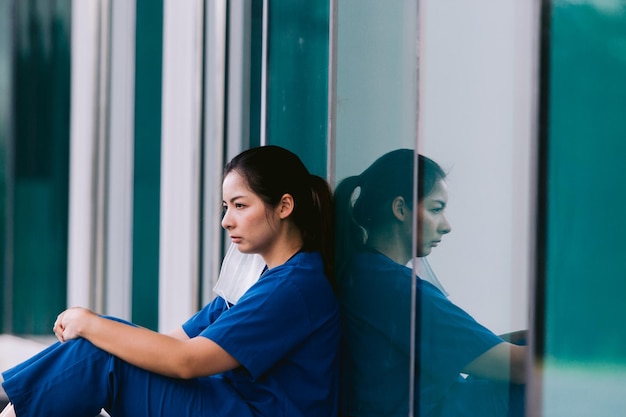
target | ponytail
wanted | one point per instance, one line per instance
(350, 236)
(318, 233)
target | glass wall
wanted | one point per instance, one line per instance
(424, 308)
(146, 187)
(478, 86)
(375, 114)
(297, 79)
(6, 111)
(430, 274)
(35, 128)
(581, 343)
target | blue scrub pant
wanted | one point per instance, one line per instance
(78, 379)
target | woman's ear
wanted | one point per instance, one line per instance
(400, 209)
(286, 206)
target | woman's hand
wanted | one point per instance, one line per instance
(70, 323)
(176, 356)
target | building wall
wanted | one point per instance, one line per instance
(109, 199)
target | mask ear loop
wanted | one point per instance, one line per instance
(239, 272)
(421, 267)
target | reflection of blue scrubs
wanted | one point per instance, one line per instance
(376, 307)
(284, 331)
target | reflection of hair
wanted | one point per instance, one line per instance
(272, 172)
(388, 177)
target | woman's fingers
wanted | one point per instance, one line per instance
(58, 328)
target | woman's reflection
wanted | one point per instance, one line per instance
(462, 368)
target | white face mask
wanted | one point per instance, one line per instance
(421, 267)
(238, 273)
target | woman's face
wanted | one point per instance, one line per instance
(432, 222)
(250, 225)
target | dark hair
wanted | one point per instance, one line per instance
(390, 176)
(271, 172)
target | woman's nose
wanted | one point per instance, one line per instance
(226, 221)
(444, 227)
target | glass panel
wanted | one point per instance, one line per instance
(147, 163)
(476, 84)
(376, 100)
(584, 344)
(6, 112)
(476, 105)
(256, 66)
(41, 111)
(297, 82)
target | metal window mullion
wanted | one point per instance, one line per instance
(100, 158)
(180, 161)
(84, 46)
(214, 129)
(264, 72)
(332, 94)
(120, 162)
(238, 88)
(541, 15)
(419, 44)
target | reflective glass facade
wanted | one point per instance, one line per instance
(581, 343)
(520, 104)
(35, 141)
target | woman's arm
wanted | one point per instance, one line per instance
(503, 362)
(163, 354)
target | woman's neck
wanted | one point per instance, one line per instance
(391, 247)
(284, 248)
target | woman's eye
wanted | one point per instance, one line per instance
(239, 205)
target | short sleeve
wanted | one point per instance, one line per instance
(203, 318)
(449, 337)
(269, 321)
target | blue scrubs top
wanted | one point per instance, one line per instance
(376, 309)
(284, 331)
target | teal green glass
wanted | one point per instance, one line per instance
(584, 355)
(297, 80)
(40, 165)
(147, 163)
(376, 109)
